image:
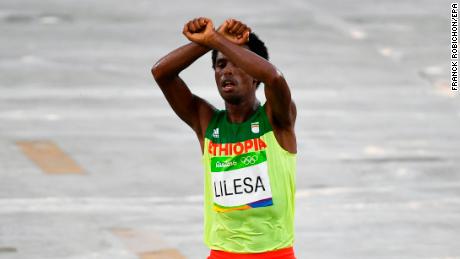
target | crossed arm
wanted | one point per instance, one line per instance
(279, 103)
(195, 111)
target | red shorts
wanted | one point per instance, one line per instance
(285, 253)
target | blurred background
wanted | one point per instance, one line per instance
(95, 164)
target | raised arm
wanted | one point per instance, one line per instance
(193, 110)
(280, 106)
(281, 109)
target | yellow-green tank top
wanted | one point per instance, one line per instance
(249, 186)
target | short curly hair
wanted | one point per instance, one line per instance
(254, 44)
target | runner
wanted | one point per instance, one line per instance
(249, 149)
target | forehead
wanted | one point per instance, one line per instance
(220, 55)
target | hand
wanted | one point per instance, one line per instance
(199, 30)
(235, 31)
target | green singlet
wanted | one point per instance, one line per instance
(249, 186)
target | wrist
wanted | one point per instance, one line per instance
(200, 47)
(212, 39)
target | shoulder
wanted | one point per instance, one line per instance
(284, 134)
(282, 124)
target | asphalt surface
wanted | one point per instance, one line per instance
(378, 127)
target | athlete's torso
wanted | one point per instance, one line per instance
(249, 186)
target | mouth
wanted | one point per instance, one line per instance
(227, 84)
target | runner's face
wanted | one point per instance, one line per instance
(233, 83)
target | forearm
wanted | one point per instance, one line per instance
(179, 59)
(245, 59)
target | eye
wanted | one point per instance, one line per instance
(221, 63)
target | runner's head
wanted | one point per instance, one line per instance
(232, 82)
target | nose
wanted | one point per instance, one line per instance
(228, 69)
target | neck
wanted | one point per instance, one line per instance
(237, 113)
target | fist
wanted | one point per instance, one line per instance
(235, 31)
(199, 30)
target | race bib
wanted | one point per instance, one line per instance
(241, 182)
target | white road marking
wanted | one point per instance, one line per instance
(357, 34)
(149, 204)
(373, 150)
(49, 20)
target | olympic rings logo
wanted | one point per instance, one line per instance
(249, 160)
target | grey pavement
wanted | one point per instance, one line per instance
(378, 128)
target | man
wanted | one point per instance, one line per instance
(249, 150)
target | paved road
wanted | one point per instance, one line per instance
(378, 128)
